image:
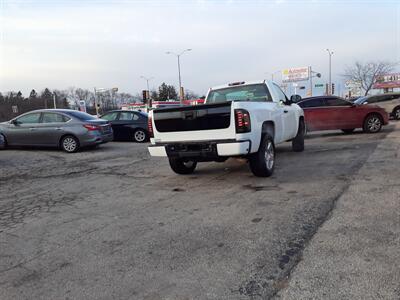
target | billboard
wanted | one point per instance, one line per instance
(387, 81)
(295, 74)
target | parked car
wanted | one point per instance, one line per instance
(390, 102)
(65, 128)
(240, 119)
(331, 112)
(128, 125)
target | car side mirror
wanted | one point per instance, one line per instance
(295, 98)
(14, 122)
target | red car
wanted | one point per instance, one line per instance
(330, 112)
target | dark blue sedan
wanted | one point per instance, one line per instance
(128, 125)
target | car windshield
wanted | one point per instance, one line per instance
(360, 100)
(81, 115)
(253, 92)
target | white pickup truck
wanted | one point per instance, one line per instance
(240, 119)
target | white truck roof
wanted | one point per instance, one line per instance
(238, 83)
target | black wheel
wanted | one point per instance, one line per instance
(262, 162)
(348, 131)
(372, 123)
(3, 142)
(70, 144)
(140, 136)
(396, 113)
(182, 166)
(298, 141)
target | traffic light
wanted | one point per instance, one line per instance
(333, 89)
(144, 94)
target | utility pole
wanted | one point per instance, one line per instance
(330, 72)
(54, 100)
(95, 103)
(179, 72)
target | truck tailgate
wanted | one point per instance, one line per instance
(194, 123)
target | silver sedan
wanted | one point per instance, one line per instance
(65, 128)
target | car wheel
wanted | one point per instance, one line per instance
(348, 131)
(298, 141)
(70, 144)
(372, 123)
(3, 143)
(262, 162)
(396, 113)
(139, 136)
(181, 166)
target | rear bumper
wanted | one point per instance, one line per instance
(205, 150)
(94, 137)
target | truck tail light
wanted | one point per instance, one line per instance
(91, 127)
(242, 120)
(150, 126)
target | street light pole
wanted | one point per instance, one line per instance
(149, 103)
(272, 74)
(147, 81)
(54, 100)
(179, 71)
(330, 72)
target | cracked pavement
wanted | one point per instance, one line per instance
(113, 223)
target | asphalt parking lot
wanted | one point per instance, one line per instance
(113, 223)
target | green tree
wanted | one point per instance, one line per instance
(46, 96)
(154, 95)
(166, 92)
(33, 94)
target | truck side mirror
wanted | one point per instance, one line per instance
(295, 98)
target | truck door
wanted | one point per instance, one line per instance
(288, 115)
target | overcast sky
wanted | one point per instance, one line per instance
(104, 43)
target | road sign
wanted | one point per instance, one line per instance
(295, 74)
(352, 84)
(14, 109)
(319, 85)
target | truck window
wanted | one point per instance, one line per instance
(252, 92)
(282, 96)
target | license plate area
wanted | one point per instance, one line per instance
(192, 150)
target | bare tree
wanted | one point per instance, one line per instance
(191, 95)
(366, 73)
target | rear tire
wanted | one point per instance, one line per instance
(396, 113)
(372, 123)
(298, 141)
(139, 136)
(262, 163)
(70, 144)
(3, 142)
(181, 166)
(348, 131)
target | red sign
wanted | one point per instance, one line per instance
(387, 81)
